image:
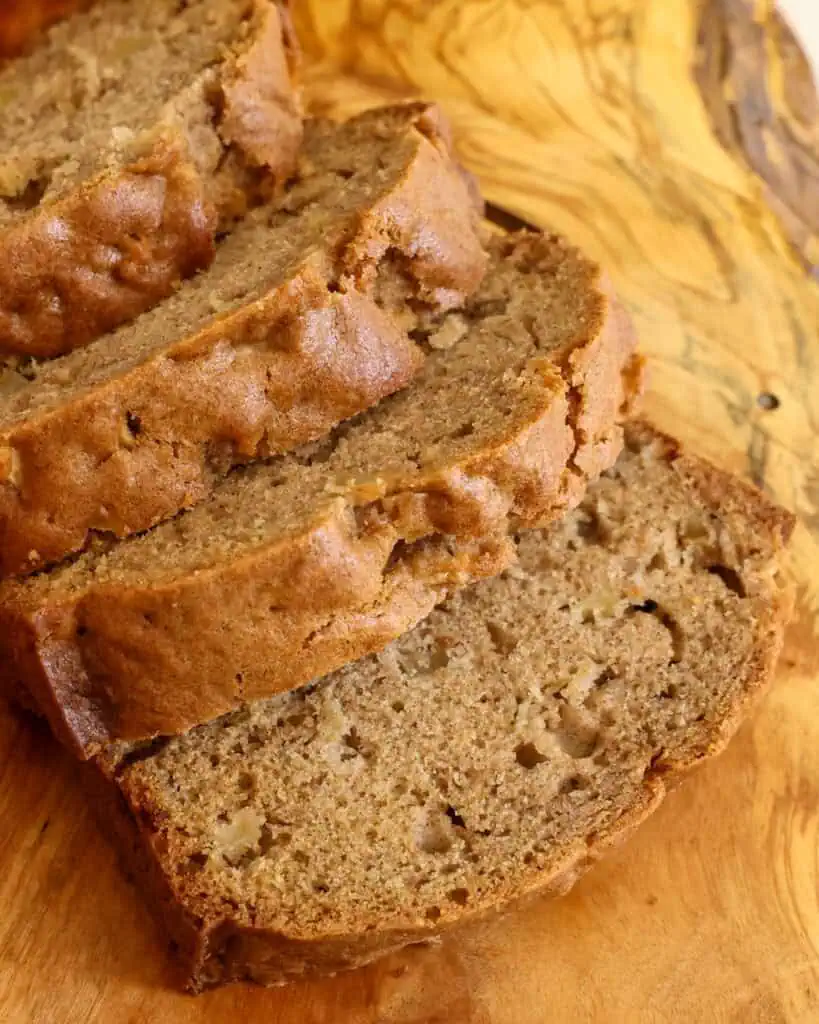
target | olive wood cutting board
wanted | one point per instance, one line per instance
(677, 142)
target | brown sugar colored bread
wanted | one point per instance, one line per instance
(491, 754)
(300, 322)
(129, 137)
(295, 567)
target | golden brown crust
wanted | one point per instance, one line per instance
(219, 949)
(23, 21)
(279, 371)
(99, 661)
(117, 245)
(260, 113)
(310, 358)
(80, 266)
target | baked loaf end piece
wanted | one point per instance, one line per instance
(492, 753)
(301, 321)
(130, 136)
(295, 567)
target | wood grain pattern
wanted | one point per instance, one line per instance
(587, 115)
(757, 87)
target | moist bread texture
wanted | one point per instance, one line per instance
(130, 136)
(295, 567)
(300, 322)
(491, 754)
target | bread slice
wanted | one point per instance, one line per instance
(293, 568)
(300, 322)
(492, 753)
(129, 137)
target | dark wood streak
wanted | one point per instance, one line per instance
(758, 451)
(777, 135)
(507, 220)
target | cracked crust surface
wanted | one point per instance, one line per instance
(491, 754)
(109, 198)
(300, 322)
(295, 567)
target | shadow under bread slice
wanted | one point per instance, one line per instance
(300, 322)
(491, 754)
(297, 566)
(130, 135)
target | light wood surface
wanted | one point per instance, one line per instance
(676, 141)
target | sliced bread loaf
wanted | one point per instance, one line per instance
(295, 567)
(300, 322)
(128, 137)
(492, 753)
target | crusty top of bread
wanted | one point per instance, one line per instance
(492, 752)
(22, 22)
(294, 567)
(127, 136)
(300, 322)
